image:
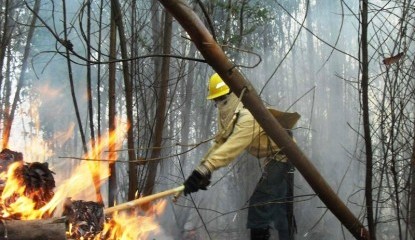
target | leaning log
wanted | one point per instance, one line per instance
(215, 57)
(44, 229)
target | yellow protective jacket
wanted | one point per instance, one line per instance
(245, 135)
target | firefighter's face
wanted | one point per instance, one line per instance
(221, 101)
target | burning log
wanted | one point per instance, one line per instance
(45, 229)
(88, 220)
(85, 218)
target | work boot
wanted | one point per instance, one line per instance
(260, 233)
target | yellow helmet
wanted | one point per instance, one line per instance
(217, 87)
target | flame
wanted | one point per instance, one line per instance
(48, 91)
(63, 136)
(84, 183)
(98, 153)
(86, 179)
(35, 148)
(15, 201)
(38, 150)
(129, 226)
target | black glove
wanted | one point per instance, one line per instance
(197, 180)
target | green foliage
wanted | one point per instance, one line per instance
(245, 18)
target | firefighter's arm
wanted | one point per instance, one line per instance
(221, 154)
(246, 129)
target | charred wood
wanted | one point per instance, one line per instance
(44, 229)
(85, 218)
(7, 157)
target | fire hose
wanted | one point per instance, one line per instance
(131, 204)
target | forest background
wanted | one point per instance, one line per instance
(71, 71)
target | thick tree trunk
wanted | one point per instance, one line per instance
(226, 69)
(44, 229)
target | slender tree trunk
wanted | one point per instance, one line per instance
(184, 132)
(5, 38)
(412, 193)
(88, 76)
(94, 164)
(237, 83)
(228, 27)
(411, 222)
(21, 81)
(71, 82)
(7, 90)
(99, 70)
(241, 23)
(156, 36)
(161, 107)
(95, 179)
(112, 184)
(366, 120)
(133, 182)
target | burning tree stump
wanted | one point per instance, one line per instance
(86, 218)
(36, 177)
(44, 229)
(38, 180)
(26, 180)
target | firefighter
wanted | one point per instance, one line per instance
(238, 131)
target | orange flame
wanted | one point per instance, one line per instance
(15, 201)
(125, 226)
(84, 183)
(80, 185)
(63, 136)
(86, 179)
